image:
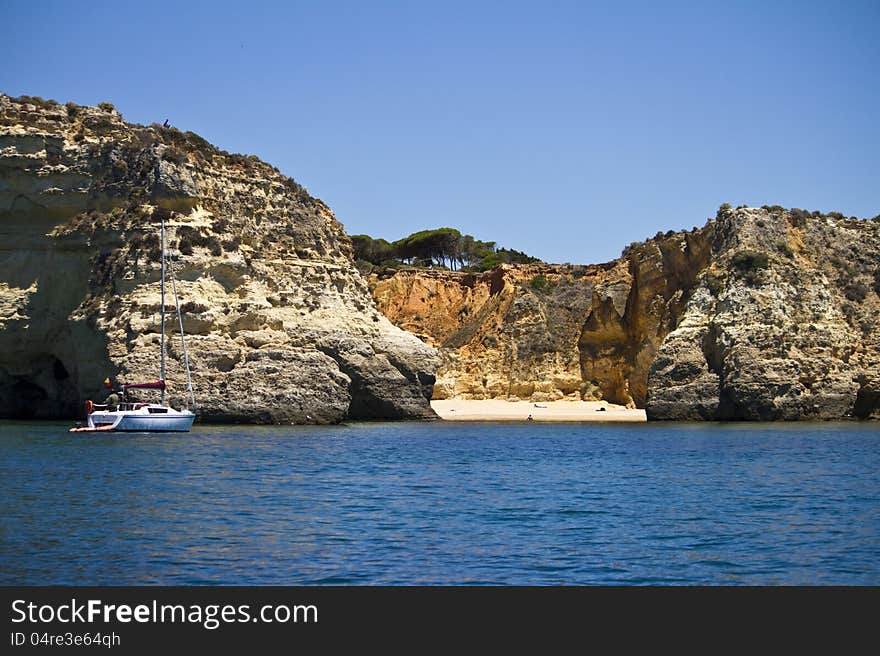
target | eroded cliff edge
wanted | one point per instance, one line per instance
(549, 332)
(783, 324)
(763, 313)
(281, 328)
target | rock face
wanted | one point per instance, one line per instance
(547, 332)
(783, 324)
(762, 314)
(280, 326)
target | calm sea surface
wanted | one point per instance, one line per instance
(413, 503)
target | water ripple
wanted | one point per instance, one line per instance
(412, 503)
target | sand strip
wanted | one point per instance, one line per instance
(499, 410)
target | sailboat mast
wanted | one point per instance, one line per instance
(162, 367)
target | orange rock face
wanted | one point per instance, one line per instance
(549, 332)
(763, 314)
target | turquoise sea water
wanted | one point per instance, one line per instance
(450, 503)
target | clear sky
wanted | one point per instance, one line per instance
(564, 129)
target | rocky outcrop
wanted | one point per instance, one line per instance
(280, 326)
(782, 325)
(548, 332)
(762, 314)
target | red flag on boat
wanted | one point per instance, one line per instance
(159, 384)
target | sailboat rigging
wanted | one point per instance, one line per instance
(148, 417)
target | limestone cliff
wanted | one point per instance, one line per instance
(548, 332)
(761, 314)
(782, 325)
(280, 325)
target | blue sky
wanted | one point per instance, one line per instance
(564, 129)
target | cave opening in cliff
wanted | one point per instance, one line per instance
(59, 371)
(22, 398)
(44, 389)
(867, 403)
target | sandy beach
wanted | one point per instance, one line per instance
(499, 410)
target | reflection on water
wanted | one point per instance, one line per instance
(410, 503)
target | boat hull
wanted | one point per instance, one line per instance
(143, 421)
(155, 423)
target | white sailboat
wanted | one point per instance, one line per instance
(147, 417)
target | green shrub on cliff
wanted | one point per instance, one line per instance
(539, 283)
(174, 155)
(200, 143)
(38, 101)
(506, 256)
(749, 264)
(799, 217)
(503, 256)
(101, 125)
(750, 260)
(192, 237)
(856, 291)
